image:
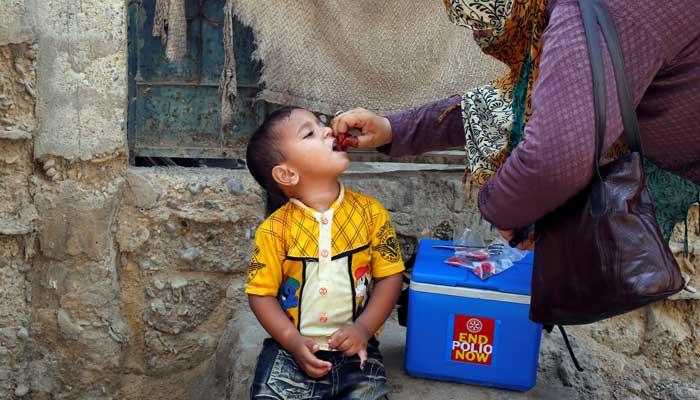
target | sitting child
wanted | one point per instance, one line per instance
(316, 261)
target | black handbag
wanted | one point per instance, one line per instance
(602, 253)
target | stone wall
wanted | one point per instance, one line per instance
(18, 215)
(184, 236)
(62, 167)
(126, 283)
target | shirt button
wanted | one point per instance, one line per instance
(324, 253)
(324, 220)
(323, 291)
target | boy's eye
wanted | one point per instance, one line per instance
(309, 134)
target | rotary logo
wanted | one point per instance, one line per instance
(474, 325)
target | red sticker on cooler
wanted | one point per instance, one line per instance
(473, 339)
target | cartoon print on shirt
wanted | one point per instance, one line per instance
(363, 278)
(287, 295)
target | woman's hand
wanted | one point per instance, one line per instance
(376, 130)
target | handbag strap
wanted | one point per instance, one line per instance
(627, 107)
(595, 14)
(598, 73)
(549, 328)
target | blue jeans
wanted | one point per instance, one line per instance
(277, 376)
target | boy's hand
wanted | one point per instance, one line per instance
(351, 340)
(268, 311)
(303, 349)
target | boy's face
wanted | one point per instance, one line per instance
(309, 147)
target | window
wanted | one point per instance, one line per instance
(174, 108)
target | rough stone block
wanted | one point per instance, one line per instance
(690, 264)
(140, 191)
(45, 373)
(177, 305)
(17, 213)
(421, 204)
(624, 333)
(14, 310)
(20, 222)
(15, 134)
(167, 354)
(192, 221)
(15, 315)
(14, 28)
(132, 230)
(75, 221)
(229, 372)
(82, 106)
(395, 194)
(17, 90)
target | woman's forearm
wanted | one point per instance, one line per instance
(418, 130)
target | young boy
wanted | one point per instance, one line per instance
(314, 261)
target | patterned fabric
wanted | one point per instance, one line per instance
(672, 196)
(487, 119)
(480, 15)
(494, 115)
(314, 262)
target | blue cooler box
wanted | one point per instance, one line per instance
(463, 329)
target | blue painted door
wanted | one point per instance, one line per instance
(174, 109)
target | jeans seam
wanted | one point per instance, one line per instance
(373, 381)
(285, 363)
(336, 378)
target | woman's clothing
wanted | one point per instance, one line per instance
(661, 47)
(495, 114)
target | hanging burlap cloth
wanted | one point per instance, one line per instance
(171, 14)
(382, 55)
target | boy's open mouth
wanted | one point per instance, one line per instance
(342, 141)
(336, 145)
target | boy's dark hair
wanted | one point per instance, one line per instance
(264, 151)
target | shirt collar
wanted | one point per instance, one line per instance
(316, 213)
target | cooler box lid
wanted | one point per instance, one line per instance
(430, 268)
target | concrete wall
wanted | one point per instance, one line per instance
(63, 72)
(126, 283)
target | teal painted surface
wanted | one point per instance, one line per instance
(174, 108)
